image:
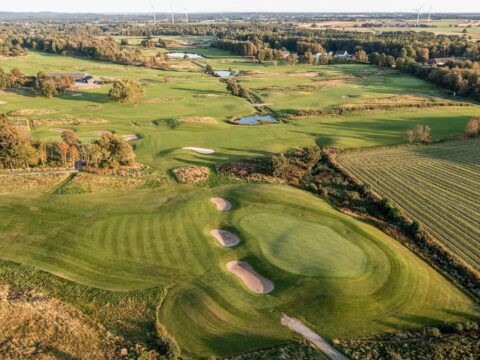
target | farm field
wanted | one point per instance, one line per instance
(160, 238)
(437, 185)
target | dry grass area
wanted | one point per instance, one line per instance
(69, 121)
(93, 183)
(35, 326)
(32, 112)
(198, 120)
(161, 100)
(191, 174)
(43, 182)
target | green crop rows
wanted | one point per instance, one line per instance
(438, 185)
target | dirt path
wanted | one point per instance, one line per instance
(41, 173)
(300, 328)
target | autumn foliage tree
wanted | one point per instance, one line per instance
(16, 149)
(126, 91)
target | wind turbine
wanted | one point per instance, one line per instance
(173, 17)
(154, 14)
(419, 12)
(430, 13)
(186, 15)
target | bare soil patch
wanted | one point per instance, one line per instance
(191, 174)
(253, 280)
(198, 120)
(222, 204)
(225, 238)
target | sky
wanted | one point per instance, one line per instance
(120, 6)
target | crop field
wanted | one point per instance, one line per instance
(160, 238)
(437, 185)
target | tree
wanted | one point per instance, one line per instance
(73, 154)
(126, 91)
(16, 149)
(69, 137)
(361, 56)
(473, 127)
(110, 151)
(63, 150)
(410, 135)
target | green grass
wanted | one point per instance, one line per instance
(160, 239)
(341, 276)
(437, 185)
(185, 96)
(307, 248)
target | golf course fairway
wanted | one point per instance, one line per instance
(341, 276)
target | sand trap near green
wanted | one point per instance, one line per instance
(307, 248)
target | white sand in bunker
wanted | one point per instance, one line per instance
(225, 238)
(222, 204)
(130, 137)
(253, 280)
(199, 150)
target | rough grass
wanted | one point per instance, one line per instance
(436, 185)
(35, 326)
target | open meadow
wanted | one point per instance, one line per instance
(339, 275)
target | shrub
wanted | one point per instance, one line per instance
(126, 91)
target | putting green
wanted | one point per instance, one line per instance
(307, 248)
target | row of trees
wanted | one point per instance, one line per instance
(18, 151)
(42, 83)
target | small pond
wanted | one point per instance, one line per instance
(224, 73)
(256, 120)
(182, 55)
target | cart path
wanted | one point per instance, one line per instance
(300, 328)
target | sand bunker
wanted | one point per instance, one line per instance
(225, 238)
(130, 137)
(3, 102)
(59, 130)
(253, 280)
(222, 204)
(199, 150)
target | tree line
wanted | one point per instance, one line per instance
(19, 151)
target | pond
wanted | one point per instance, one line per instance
(224, 73)
(256, 120)
(182, 55)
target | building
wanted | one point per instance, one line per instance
(443, 61)
(343, 54)
(78, 77)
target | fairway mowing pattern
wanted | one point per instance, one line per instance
(438, 185)
(160, 238)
